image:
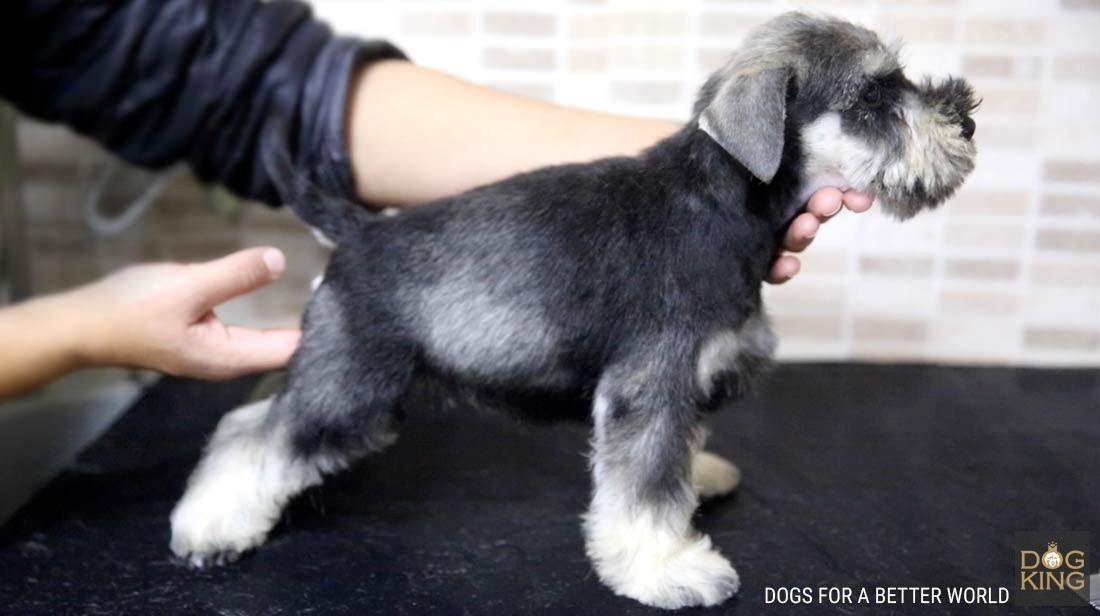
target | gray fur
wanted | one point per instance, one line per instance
(634, 281)
(747, 119)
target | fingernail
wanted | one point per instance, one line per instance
(275, 262)
(839, 206)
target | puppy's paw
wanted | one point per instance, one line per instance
(695, 575)
(713, 475)
(208, 531)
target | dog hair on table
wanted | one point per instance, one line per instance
(625, 291)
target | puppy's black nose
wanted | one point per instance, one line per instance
(968, 127)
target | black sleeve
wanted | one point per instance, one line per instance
(162, 81)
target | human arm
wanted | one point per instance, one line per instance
(160, 81)
(156, 316)
(407, 148)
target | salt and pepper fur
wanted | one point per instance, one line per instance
(625, 290)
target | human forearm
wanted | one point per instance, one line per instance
(416, 134)
(40, 344)
(157, 316)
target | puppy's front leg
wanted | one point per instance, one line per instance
(638, 528)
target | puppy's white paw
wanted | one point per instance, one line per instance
(237, 492)
(695, 575)
(713, 475)
(216, 521)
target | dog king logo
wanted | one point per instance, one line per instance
(1054, 575)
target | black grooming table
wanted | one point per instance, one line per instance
(857, 476)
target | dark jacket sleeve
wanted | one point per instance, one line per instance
(162, 81)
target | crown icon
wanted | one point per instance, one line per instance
(1053, 545)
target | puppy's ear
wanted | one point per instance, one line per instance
(746, 118)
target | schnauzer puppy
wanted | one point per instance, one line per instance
(626, 290)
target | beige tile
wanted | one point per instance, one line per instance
(975, 337)
(646, 58)
(1022, 31)
(729, 25)
(893, 297)
(629, 23)
(1062, 338)
(812, 327)
(202, 248)
(52, 203)
(1008, 99)
(712, 58)
(1002, 66)
(1070, 274)
(893, 351)
(917, 28)
(805, 350)
(1074, 31)
(437, 23)
(962, 302)
(982, 269)
(1089, 5)
(587, 60)
(1055, 205)
(897, 267)
(520, 23)
(1077, 306)
(1077, 68)
(519, 59)
(1064, 240)
(817, 264)
(647, 91)
(985, 235)
(1078, 171)
(982, 201)
(883, 329)
(1019, 134)
(806, 297)
(51, 273)
(919, 4)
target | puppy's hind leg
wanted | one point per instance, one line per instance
(638, 528)
(340, 402)
(711, 475)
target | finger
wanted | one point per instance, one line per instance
(801, 232)
(783, 269)
(858, 201)
(223, 279)
(825, 203)
(256, 350)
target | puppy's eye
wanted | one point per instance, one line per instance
(872, 95)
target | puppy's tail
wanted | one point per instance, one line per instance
(337, 218)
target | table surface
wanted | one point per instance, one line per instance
(854, 476)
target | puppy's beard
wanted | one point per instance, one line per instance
(933, 163)
(834, 158)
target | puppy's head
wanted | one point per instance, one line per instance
(830, 101)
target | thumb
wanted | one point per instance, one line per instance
(253, 350)
(223, 279)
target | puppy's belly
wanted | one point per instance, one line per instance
(483, 337)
